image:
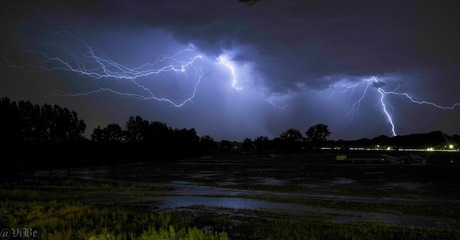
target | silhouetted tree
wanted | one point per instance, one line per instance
(381, 140)
(208, 144)
(261, 143)
(247, 145)
(136, 129)
(9, 121)
(97, 135)
(291, 140)
(46, 121)
(186, 141)
(66, 127)
(291, 134)
(225, 146)
(25, 122)
(43, 134)
(317, 135)
(437, 138)
(112, 133)
(159, 136)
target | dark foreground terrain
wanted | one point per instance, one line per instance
(305, 196)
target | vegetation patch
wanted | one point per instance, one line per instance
(448, 212)
(72, 219)
(56, 214)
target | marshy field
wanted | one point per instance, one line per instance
(264, 196)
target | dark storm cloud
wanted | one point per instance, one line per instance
(289, 42)
(296, 50)
(292, 42)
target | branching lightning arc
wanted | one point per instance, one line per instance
(95, 65)
(375, 83)
(223, 59)
(84, 60)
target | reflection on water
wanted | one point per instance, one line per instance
(341, 216)
(228, 202)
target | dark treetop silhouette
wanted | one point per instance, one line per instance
(51, 136)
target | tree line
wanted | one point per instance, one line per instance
(26, 122)
(35, 126)
(316, 136)
(435, 139)
(291, 140)
(155, 137)
(41, 136)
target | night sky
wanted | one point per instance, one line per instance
(233, 69)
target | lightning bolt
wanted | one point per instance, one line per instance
(224, 59)
(95, 65)
(276, 105)
(384, 109)
(374, 82)
(421, 102)
(83, 60)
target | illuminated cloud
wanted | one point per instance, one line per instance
(263, 68)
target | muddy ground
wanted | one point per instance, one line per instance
(425, 195)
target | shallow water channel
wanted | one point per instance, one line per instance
(220, 194)
(226, 202)
(187, 194)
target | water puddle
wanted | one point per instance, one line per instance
(227, 202)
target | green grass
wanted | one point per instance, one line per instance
(77, 184)
(53, 207)
(71, 219)
(451, 213)
(169, 234)
(321, 228)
